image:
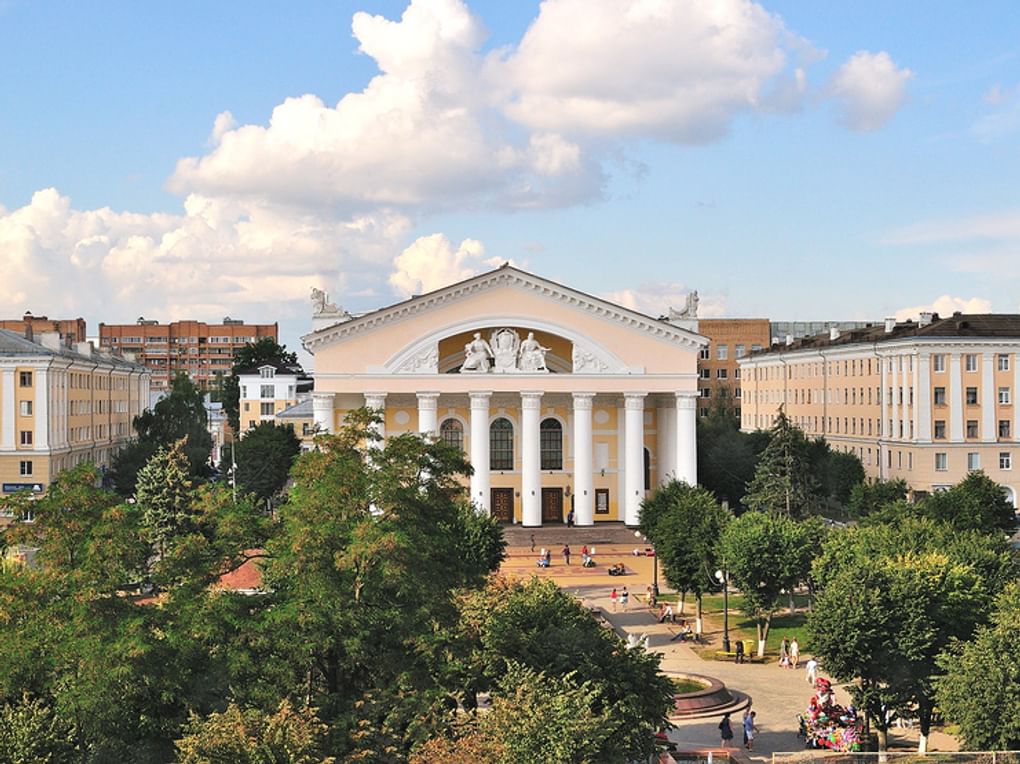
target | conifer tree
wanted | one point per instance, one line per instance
(783, 481)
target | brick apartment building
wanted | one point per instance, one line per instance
(718, 371)
(204, 351)
(71, 330)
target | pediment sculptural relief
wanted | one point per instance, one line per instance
(504, 353)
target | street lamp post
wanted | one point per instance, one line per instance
(655, 566)
(723, 577)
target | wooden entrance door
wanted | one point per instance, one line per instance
(552, 505)
(503, 504)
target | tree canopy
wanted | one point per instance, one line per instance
(264, 457)
(783, 478)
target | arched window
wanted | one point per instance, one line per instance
(452, 431)
(501, 445)
(551, 444)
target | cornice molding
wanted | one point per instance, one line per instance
(505, 276)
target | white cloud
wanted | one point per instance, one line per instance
(217, 257)
(681, 70)
(946, 305)
(656, 298)
(431, 262)
(870, 89)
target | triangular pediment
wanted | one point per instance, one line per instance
(499, 280)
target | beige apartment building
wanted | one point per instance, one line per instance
(924, 401)
(203, 351)
(62, 405)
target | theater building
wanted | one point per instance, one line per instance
(561, 400)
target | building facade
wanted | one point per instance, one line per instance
(729, 340)
(60, 407)
(561, 401)
(71, 330)
(268, 389)
(203, 351)
(924, 401)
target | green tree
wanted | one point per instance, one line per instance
(265, 456)
(288, 736)
(685, 524)
(164, 497)
(868, 497)
(179, 415)
(843, 472)
(727, 457)
(263, 350)
(980, 686)
(977, 502)
(884, 624)
(783, 479)
(540, 627)
(765, 554)
(31, 733)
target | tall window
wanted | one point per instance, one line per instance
(451, 431)
(938, 362)
(25, 379)
(267, 391)
(970, 362)
(722, 352)
(501, 445)
(551, 441)
(1003, 362)
(941, 462)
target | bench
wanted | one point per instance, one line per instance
(730, 654)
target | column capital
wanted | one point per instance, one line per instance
(480, 399)
(583, 401)
(428, 400)
(322, 399)
(687, 399)
(375, 400)
(634, 401)
(531, 399)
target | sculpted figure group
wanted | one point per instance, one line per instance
(507, 351)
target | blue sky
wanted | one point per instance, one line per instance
(809, 161)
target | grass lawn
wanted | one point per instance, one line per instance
(681, 686)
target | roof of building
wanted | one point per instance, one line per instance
(289, 369)
(13, 344)
(957, 326)
(299, 410)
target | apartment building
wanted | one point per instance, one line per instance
(61, 406)
(267, 390)
(71, 330)
(730, 339)
(925, 401)
(203, 351)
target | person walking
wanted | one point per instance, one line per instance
(749, 730)
(624, 597)
(794, 653)
(613, 598)
(812, 670)
(725, 732)
(570, 519)
(532, 542)
(784, 653)
(566, 554)
(738, 651)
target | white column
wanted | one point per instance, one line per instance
(531, 475)
(377, 403)
(665, 439)
(955, 399)
(687, 437)
(922, 400)
(634, 442)
(480, 450)
(1015, 360)
(989, 399)
(8, 410)
(428, 403)
(914, 408)
(894, 402)
(584, 488)
(322, 411)
(42, 410)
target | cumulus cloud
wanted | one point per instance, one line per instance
(656, 298)
(946, 305)
(431, 262)
(214, 258)
(869, 89)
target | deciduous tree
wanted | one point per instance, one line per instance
(265, 456)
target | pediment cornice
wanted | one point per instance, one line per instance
(506, 276)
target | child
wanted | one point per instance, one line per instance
(613, 598)
(624, 596)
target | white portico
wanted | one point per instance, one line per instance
(562, 401)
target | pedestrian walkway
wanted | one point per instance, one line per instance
(777, 694)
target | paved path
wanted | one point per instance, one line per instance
(777, 694)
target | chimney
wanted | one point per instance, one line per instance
(926, 319)
(29, 332)
(50, 340)
(890, 324)
(83, 348)
(833, 332)
(789, 340)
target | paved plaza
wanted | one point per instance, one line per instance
(777, 694)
